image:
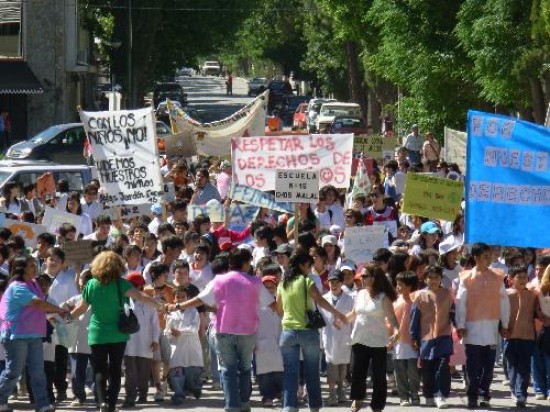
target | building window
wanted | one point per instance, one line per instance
(10, 28)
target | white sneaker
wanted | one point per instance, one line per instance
(441, 402)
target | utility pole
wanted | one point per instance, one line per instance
(130, 44)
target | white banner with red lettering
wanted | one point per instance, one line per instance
(256, 159)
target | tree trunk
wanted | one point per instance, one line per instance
(537, 100)
(355, 74)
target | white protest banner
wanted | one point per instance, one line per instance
(124, 146)
(256, 197)
(54, 218)
(214, 139)
(256, 159)
(360, 242)
(297, 186)
(128, 211)
(28, 231)
(455, 147)
(241, 214)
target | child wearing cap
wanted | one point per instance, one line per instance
(269, 361)
(186, 360)
(336, 341)
(138, 357)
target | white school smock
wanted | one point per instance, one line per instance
(185, 349)
(268, 352)
(149, 332)
(81, 344)
(337, 342)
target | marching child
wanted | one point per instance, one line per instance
(519, 342)
(432, 314)
(269, 361)
(138, 357)
(407, 375)
(186, 361)
(337, 342)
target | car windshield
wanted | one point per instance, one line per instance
(339, 111)
(349, 122)
(47, 134)
(3, 177)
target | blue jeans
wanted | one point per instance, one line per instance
(214, 371)
(235, 357)
(79, 367)
(518, 353)
(183, 379)
(540, 365)
(308, 342)
(18, 353)
(480, 363)
(270, 384)
(436, 377)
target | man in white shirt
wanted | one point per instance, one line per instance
(481, 303)
(89, 202)
(102, 232)
(413, 144)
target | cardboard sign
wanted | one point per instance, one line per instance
(28, 231)
(256, 159)
(432, 197)
(360, 242)
(180, 144)
(54, 219)
(297, 186)
(124, 146)
(128, 211)
(78, 252)
(375, 147)
(256, 197)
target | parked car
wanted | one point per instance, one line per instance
(211, 68)
(290, 104)
(62, 143)
(24, 172)
(186, 72)
(172, 91)
(313, 111)
(330, 110)
(348, 124)
(257, 86)
(278, 89)
(299, 120)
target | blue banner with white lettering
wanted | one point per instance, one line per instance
(507, 182)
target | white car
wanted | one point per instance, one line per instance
(313, 111)
(330, 110)
(211, 68)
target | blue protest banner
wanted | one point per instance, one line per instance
(507, 182)
(256, 197)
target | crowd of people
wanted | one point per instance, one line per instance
(277, 303)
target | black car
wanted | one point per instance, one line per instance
(278, 90)
(172, 91)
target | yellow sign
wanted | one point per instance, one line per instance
(432, 197)
(375, 147)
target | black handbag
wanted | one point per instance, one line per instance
(127, 323)
(314, 319)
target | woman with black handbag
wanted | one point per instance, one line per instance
(300, 330)
(111, 323)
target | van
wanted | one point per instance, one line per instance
(329, 111)
(25, 172)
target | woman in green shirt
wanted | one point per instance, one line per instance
(107, 343)
(294, 294)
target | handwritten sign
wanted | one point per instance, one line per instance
(360, 242)
(28, 231)
(54, 219)
(78, 252)
(296, 186)
(256, 197)
(125, 155)
(375, 147)
(128, 211)
(507, 181)
(256, 159)
(432, 197)
(169, 192)
(240, 214)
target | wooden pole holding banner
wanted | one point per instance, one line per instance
(296, 210)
